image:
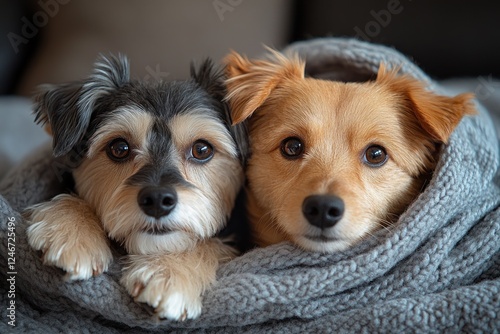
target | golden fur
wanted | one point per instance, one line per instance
(335, 122)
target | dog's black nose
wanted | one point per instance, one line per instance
(323, 211)
(157, 201)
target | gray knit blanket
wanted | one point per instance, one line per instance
(437, 270)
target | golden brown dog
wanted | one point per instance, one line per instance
(331, 161)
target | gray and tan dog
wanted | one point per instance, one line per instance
(158, 167)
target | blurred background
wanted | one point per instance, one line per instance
(58, 40)
(52, 41)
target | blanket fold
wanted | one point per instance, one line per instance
(436, 270)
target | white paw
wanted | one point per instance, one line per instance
(70, 237)
(170, 304)
(175, 297)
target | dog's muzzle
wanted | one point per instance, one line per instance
(157, 202)
(323, 211)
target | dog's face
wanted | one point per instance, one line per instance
(158, 162)
(331, 162)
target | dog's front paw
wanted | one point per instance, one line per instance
(173, 296)
(167, 299)
(173, 283)
(70, 236)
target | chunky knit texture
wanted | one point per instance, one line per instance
(437, 270)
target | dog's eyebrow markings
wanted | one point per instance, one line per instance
(126, 120)
(201, 123)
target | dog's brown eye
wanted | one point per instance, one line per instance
(118, 150)
(202, 151)
(375, 156)
(292, 148)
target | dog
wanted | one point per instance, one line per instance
(332, 162)
(156, 168)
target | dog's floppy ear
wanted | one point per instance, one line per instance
(250, 82)
(438, 115)
(66, 109)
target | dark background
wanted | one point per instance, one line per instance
(445, 38)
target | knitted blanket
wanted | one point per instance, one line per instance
(436, 270)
